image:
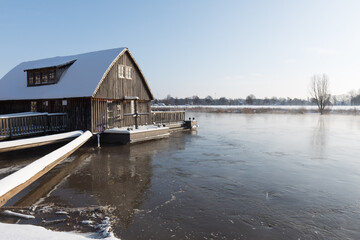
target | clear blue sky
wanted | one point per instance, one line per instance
(204, 47)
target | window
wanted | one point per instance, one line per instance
(44, 78)
(52, 76)
(128, 73)
(31, 79)
(33, 106)
(37, 78)
(121, 71)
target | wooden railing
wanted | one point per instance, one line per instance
(57, 122)
(22, 124)
(167, 116)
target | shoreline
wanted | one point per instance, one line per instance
(258, 109)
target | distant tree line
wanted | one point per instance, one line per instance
(352, 98)
(250, 100)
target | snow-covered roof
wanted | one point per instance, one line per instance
(53, 62)
(81, 79)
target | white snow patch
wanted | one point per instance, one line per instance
(284, 107)
(148, 128)
(19, 215)
(61, 213)
(30, 232)
(104, 228)
(27, 141)
(87, 222)
(22, 114)
(24, 174)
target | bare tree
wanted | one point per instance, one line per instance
(319, 91)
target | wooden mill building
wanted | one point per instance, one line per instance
(97, 90)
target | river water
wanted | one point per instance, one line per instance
(253, 176)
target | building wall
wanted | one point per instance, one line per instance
(114, 87)
(117, 113)
(14, 106)
(78, 109)
(109, 105)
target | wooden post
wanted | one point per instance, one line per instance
(98, 140)
(10, 127)
(136, 115)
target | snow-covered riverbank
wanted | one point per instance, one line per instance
(259, 108)
(30, 232)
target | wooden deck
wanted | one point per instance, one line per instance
(30, 123)
(20, 125)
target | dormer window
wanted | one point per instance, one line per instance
(47, 74)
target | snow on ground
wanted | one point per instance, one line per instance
(258, 106)
(148, 128)
(30, 232)
(24, 174)
(27, 141)
(19, 215)
(23, 114)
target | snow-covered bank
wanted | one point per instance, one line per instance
(30, 232)
(259, 108)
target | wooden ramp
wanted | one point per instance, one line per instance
(6, 146)
(14, 183)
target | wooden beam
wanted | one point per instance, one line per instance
(37, 141)
(54, 159)
(45, 187)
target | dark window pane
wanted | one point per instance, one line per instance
(37, 78)
(44, 78)
(52, 76)
(30, 79)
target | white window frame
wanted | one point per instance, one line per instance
(121, 71)
(128, 73)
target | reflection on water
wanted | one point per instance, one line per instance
(112, 176)
(263, 176)
(320, 134)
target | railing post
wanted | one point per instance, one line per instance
(10, 130)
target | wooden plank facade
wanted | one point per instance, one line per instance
(122, 98)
